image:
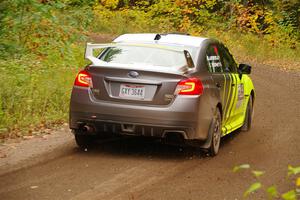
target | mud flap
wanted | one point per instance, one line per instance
(208, 142)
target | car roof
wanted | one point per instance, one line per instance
(164, 39)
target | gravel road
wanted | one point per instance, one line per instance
(135, 168)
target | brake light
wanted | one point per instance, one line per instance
(83, 79)
(190, 86)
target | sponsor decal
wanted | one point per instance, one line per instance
(240, 98)
(214, 63)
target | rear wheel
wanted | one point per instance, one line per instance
(249, 114)
(83, 141)
(215, 134)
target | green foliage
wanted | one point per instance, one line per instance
(40, 55)
(260, 17)
(34, 90)
(293, 170)
(243, 166)
(252, 188)
(257, 173)
(254, 26)
(31, 26)
(290, 195)
(119, 22)
(271, 191)
(78, 2)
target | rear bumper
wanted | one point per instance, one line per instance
(180, 116)
(138, 129)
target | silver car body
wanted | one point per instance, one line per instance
(162, 111)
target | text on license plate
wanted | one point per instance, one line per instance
(132, 91)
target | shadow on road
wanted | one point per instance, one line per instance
(147, 147)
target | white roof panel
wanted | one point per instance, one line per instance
(175, 39)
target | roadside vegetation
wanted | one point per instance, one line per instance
(42, 43)
(272, 191)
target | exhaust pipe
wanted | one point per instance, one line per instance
(174, 137)
(88, 129)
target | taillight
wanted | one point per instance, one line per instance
(190, 86)
(83, 79)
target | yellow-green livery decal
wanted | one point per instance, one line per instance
(223, 98)
(232, 100)
(226, 106)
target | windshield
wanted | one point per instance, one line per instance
(144, 55)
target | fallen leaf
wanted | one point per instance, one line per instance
(290, 195)
(293, 170)
(272, 192)
(298, 182)
(244, 166)
(257, 173)
(252, 188)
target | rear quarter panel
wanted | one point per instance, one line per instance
(209, 99)
(207, 105)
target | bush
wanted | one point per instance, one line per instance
(41, 50)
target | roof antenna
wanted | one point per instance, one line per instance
(157, 37)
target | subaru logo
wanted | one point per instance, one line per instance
(133, 74)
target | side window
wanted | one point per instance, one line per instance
(213, 59)
(229, 65)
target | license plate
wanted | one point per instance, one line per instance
(132, 91)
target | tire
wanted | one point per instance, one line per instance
(83, 141)
(215, 134)
(249, 115)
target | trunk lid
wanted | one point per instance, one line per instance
(132, 86)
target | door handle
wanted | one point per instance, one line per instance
(218, 85)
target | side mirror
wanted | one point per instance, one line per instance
(244, 69)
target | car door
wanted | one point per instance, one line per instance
(234, 108)
(222, 80)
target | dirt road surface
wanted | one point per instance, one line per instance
(135, 168)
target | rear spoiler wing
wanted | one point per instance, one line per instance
(90, 47)
(89, 51)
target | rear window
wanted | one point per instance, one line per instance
(144, 56)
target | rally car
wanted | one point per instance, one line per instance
(163, 86)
